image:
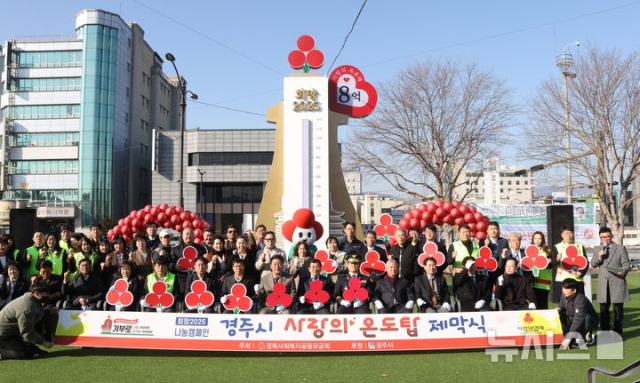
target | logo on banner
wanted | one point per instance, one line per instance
(329, 266)
(534, 261)
(372, 266)
(430, 250)
(189, 255)
(386, 228)
(350, 94)
(279, 297)
(316, 293)
(199, 298)
(159, 298)
(306, 56)
(573, 260)
(238, 301)
(118, 295)
(485, 263)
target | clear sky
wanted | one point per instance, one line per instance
(234, 53)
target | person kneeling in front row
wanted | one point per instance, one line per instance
(431, 290)
(577, 315)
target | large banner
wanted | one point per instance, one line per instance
(316, 333)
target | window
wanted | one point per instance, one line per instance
(145, 102)
(44, 167)
(146, 79)
(44, 139)
(52, 196)
(144, 125)
(44, 59)
(231, 158)
(46, 84)
(35, 112)
(128, 91)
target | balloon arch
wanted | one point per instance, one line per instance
(165, 216)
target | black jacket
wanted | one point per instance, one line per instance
(19, 289)
(407, 261)
(401, 293)
(342, 284)
(516, 291)
(468, 292)
(305, 285)
(423, 291)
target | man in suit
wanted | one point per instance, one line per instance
(342, 285)
(86, 289)
(5, 256)
(613, 263)
(471, 288)
(494, 241)
(393, 294)
(514, 290)
(370, 245)
(405, 255)
(513, 251)
(310, 307)
(12, 286)
(239, 276)
(431, 290)
(268, 280)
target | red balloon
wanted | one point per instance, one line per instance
(161, 217)
(472, 209)
(469, 218)
(427, 217)
(431, 207)
(167, 224)
(196, 224)
(408, 216)
(117, 230)
(392, 241)
(440, 212)
(186, 224)
(480, 235)
(438, 203)
(206, 224)
(148, 218)
(132, 215)
(459, 221)
(178, 228)
(121, 222)
(170, 211)
(110, 233)
(125, 230)
(404, 224)
(147, 209)
(454, 213)
(448, 220)
(197, 241)
(437, 221)
(127, 221)
(478, 216)
(423, 224)
(472, 226)
(197, 233)
(175, 219)
(155, 211)
(481, 226)
(185, 216)
(464, 209)
(416, 213)
(456, 204)
(135, 223)
(414, 223)
(127, 238)
(195, 216)
(163, 207)
(140, 214)
(486, 220)
(422, 207)
(447, 206)
(179, 209)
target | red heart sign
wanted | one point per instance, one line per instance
(430, 250)
(534, 261)
(485, 261)
(572, 260)
(356, 99)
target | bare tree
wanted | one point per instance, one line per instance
(604, 125)
(433, 120)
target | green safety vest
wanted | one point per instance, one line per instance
(562, 274)
(169, 279)
(544, 278)
(64, 245)
(35, 254)
(462, 253)
(79, 257)
(57, 259)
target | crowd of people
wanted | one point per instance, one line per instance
(75, 271)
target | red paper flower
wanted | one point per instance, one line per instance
(279, 296)
(316, 293)
(189, 255)
(355, 291)
(486, 262)
(386, 228)
(199, 297)
(573, 260)
(305, 56)
(430, 250)
(372, 266)
(534, 261)
(120, 295)
(328, 266)
(159, 297)
(238, 300)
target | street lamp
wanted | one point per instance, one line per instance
(182, 83)
(564, 62)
